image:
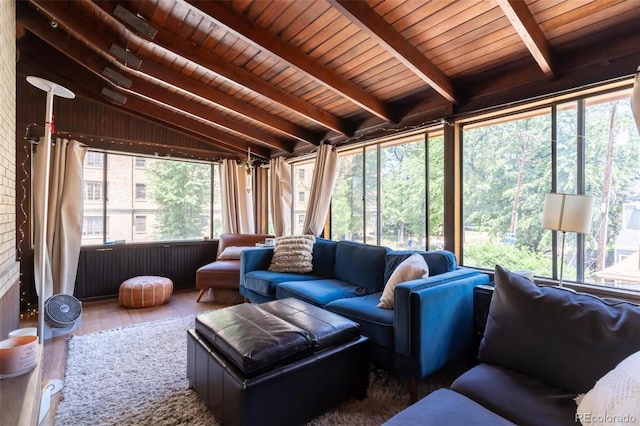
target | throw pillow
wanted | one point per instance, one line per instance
(233, 252)
(412, 268)
(615, 399)
(566, 338)
(293, 253)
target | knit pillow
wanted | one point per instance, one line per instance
(615, 396)
(293, 254)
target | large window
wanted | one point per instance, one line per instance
(150, 199)
(587, 146)
(347, 212)
(302, 176)
(381, 193)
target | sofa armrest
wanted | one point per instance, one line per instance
(254, 260)
(433, 316)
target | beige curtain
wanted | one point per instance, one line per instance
(237, 198)
(64, 215)
(324, 178)
(635, 99)
(280, 182)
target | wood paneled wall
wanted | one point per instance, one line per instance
(102, 269)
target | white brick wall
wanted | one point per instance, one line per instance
(9, 268)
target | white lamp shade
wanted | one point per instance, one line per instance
(567, 212)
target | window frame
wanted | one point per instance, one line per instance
(213, 210)
(581, 98)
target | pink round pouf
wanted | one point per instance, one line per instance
(145, 291)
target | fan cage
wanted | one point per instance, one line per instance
(62, 310)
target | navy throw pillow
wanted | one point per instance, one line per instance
(566, 338)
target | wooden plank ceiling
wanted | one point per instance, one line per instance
(280, 77)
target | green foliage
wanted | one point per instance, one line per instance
(495, 156)
(182, 192)
(346, 207)
(403, 190)
(507, 168)
(507, 256)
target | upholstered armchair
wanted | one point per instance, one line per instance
(224, 273)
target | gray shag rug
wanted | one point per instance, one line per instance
(136, 375)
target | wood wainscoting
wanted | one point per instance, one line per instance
(101, 269)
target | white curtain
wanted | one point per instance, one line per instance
(635, 99)
(64, 215)
(280, 182)
(322, 184)
(237, 198)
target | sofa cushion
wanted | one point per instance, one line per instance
(221, 274)
(265, 282)
(375, 323)
(324, 257)
(445, 407)
(318, 292)
(361, 265)
(325, 328)
(615, 396)
(252, 338)
(439, 261)
(520, 398)
(566, 338)
(412, 268)
(293, 253)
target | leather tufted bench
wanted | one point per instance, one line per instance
(281, 362)
(145, 291)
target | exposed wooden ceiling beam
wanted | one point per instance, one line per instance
(219, 66)
(89, 60)
(39, 59)
(238, 145)
(229, 103)
(255, 35)
(35, 24)
(527, 28)
(386, 36)
(133, 106)
(222, 100)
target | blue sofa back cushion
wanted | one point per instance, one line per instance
(439, 261)
(360, 264)
(568, 339)
(324, 257)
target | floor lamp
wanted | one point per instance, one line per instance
(52, 89)
(567, 213)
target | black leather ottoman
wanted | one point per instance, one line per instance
(276, 363)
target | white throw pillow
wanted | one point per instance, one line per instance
(412, 268)
(233, 252)
(293, 253)
(615, 398)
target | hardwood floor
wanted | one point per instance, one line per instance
(107, 314)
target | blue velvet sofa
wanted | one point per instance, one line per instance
(542, 347)
(431, 322)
